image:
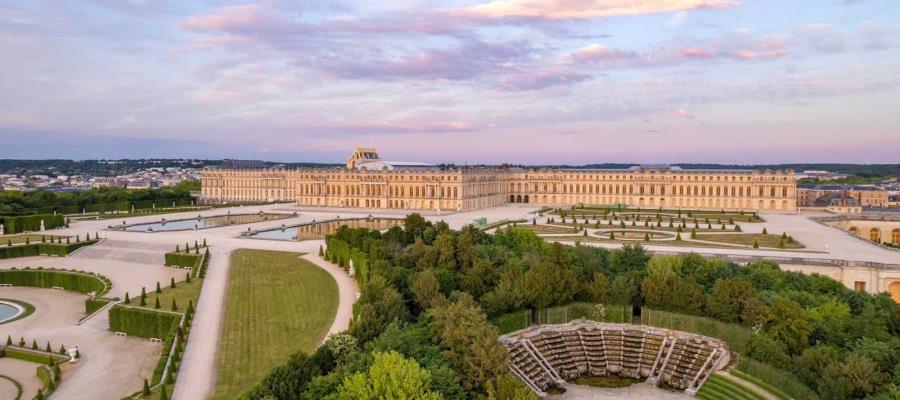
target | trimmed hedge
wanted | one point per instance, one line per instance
(91, 305)
(34, 356)
(340, 252)
(31, 222)
(191, 261)
(81, 282)
(142, 322)
(37, 249)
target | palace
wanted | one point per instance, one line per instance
(369, 182)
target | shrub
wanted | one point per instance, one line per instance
(48, 278)
(92, 305)
(142, 322)
(31, 222)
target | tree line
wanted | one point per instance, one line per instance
(16, 202)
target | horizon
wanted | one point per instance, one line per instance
(469, 81)
(539, 165)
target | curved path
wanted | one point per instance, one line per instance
(197, 376)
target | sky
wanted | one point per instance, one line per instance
(468, 81)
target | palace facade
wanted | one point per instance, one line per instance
(369, 182)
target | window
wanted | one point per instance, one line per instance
(859, 286)
(875, 235)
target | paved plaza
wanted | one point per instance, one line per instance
(113, 367)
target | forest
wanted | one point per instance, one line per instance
(428, 294)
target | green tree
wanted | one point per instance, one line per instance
(666, 265)
(146, 391)
(469, 341)
(391, 376)
(731, 299)
(810, 366)
(598, 288)
(508, 387)
(426, 290)
(788, 323)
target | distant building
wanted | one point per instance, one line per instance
(99, 182)
(868, 196)
(369, 182)
(838, 203)
(821, 175)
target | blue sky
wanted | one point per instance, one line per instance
(522, 81)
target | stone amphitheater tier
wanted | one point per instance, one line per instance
(548, 355)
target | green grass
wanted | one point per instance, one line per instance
(747, 239)
(31, 237)
(182, 292)
(721, 387)
(754, 380)
(611, 381)
(665, 213)
(545, 229)
(276, 304)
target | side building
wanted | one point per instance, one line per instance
(369, 182)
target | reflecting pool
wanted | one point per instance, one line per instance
(204, 222)
(318, 230)
(8, 311)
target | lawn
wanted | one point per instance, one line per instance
(31, 237)
(611, 381)
(182, 292)
(747, 239)
(545, 229)
(665, 213)
(277, 304)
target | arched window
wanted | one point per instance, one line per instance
(875, 235)
(895, 236)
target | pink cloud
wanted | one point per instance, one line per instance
(682, 113)
(693, 52)
(579, 9)
(228, 17)
(597, 53)
(747, 54)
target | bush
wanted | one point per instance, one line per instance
(142, 322)
(92, 305)
(31, 222)
(47, 278)
(36, 249)
(183, 260)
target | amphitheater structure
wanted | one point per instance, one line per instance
(546, 356)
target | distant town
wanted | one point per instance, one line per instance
(855, 186)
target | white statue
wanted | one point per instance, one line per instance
(1, 229)
(351, 270)
(42, 225)
(73, 352)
